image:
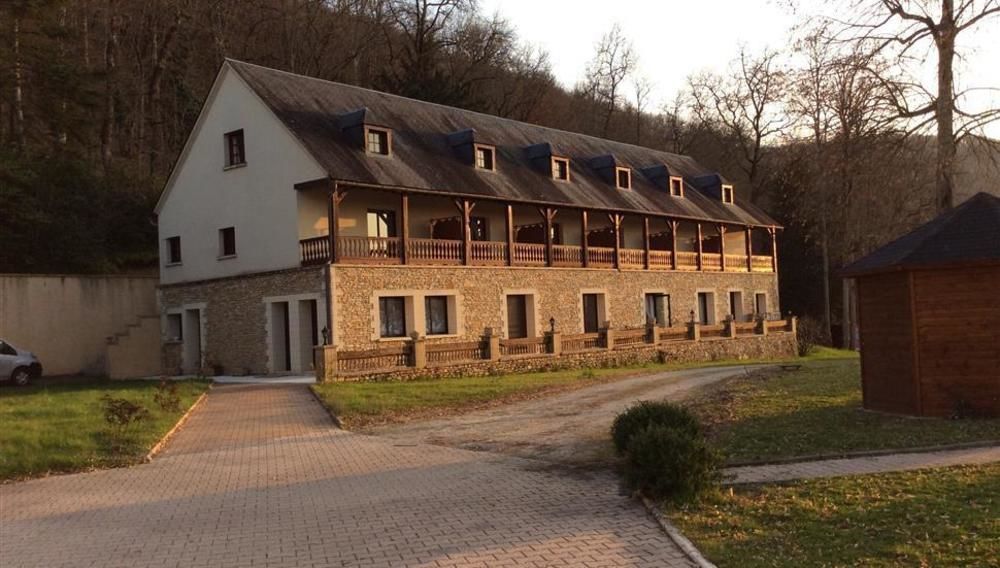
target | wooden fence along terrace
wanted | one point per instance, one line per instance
(417, 352)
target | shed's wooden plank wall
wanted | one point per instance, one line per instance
(887, 365)
(958, 327)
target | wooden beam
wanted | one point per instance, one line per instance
(645, 242)
(722, 246)
(700, 251)
(616, 223)
(548, 214)
(774, 249)
(333, 218)
(673, 243)
(584, 246)
(465, 207)
(510, 234)
(404, 208)
(749, 248)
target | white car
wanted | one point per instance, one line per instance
(17, 365)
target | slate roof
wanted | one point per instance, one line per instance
(969, 233)
(423, 159)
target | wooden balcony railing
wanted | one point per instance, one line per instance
(388, 250)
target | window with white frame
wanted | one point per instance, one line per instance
(486, 157)
(623, 178)
(560, 169)
(676, 186)
(378, 141)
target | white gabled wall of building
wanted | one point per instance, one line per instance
(258, 199)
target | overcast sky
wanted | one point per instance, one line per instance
(675, 38)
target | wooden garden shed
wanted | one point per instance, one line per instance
(929, 316)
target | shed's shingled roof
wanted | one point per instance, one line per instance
(423, 159)
(969, 233)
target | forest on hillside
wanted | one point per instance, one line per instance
(829, 135)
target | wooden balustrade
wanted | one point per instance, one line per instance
(581, 342)
(529, 254)
(522, 346)
(761, 263)
(379, 359)
(660, 259)
(369, 249)
(489, 253)
(631, 258)
(567, 255)
(315, 250)
(713, 331)
(458, 352)
(630, 337)
(673, 333)
(601, 257)
(434, 251)
(687, 261)
(736, 263)
(745, 328)
(711, 261)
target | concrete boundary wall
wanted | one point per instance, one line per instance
(67, 319)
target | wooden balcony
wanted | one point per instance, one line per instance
(431, 252)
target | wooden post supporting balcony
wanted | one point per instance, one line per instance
(774, 249)
(673, 243)
(510, 234)
(584, 231)
(616, 222)
(548, 214)
(333, 218)
(699, 247)
(749, 247)
(722, 246)
(465, 207)
(404, 214)
(645, 243)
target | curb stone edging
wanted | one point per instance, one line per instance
(682, 542)
(156, 449)
(866, 454)
(329, 412)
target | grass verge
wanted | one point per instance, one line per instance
(817, 411)
(60, 427)
(939, 517)
(364, 404)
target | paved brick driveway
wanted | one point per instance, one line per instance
(259, 477)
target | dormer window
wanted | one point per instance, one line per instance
(235, 151)
(486, 157)
(623, 178)
(377, 141)
(676, 186)
(727, 193)
(560, 169)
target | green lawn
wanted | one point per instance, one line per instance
(940, 517)
(817, 410)
(60, 427)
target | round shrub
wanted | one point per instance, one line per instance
(670, 463)
(647, 412)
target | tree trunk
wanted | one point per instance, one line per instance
(946, 148)
(18, 111)
(110, 85)
(825, 246)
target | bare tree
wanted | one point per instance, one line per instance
(744, 106)
(642, 87)
(899, 27)
(606, 73)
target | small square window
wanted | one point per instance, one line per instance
(174, 250)
(436, 309)
(486, 158)
(377, 141)
(392, 316)
(227, 242)
(175, 327)
(676, 186)
(623, 177)
(235, 150)
(560, 169)
(727, 194)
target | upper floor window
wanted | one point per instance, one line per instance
(486, 157)
(677, 186)
(623, 178)
(173, 250)
(727, 194)
(377, 141)
(227, 242)
(235, 150)
(560, 169)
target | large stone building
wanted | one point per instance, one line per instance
(304, 212)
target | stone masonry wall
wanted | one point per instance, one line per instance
(558, 295)
(771, 346)
(234, 317)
